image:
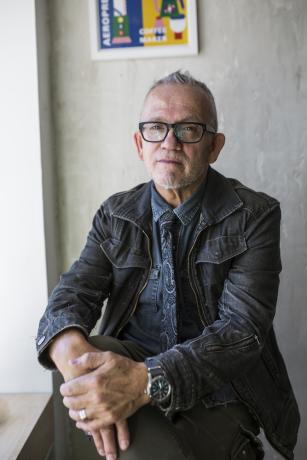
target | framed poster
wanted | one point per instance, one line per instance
(123, 29)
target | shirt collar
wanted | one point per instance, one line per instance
(185, 211)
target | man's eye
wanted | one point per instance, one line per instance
(188, 129)
(156, 127)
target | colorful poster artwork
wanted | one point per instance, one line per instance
(142, 23)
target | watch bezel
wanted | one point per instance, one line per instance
(154, 374)
(166, 383)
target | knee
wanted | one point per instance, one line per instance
(107, 343)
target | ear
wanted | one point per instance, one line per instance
(216, 147)
(138, 143)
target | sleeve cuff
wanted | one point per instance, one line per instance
(43, 342)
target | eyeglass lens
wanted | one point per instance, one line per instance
(185, 132)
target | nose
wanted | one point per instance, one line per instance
(171, 141)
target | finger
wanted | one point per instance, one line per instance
(89, 360)
(75, 415)
(90, 425)
(109, 441)
(77, 386)
(98, 440)
(123, 435)
(77, 402)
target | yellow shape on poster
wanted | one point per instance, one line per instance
(159, 29)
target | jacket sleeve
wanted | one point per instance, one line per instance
(230, 345)
(78, 298)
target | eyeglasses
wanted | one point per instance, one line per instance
(188, 133)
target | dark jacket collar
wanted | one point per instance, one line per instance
(136, 206)
(220, 200)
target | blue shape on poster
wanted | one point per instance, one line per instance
(135, 14)
(119, 23)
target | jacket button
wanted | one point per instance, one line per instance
(41, 340)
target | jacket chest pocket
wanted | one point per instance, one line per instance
(151, 297)
(215, 258)
(126, 261)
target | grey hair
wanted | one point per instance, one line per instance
(185, 78)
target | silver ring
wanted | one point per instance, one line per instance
(82, 414)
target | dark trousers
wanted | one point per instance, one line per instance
(219, 433)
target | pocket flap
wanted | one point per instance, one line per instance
(121, 256)
(221, 249)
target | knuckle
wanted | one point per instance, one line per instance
(109, 355)
(97, 399)
(69, 392)
(93, 381)
(100, 379)
(66, 390)
(93, 425)
(112, 416)
(98, 382)
(73, 415)
(108, 420)
(86, 356)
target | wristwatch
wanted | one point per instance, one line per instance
(158, 387)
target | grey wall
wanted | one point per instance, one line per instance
(253, 55)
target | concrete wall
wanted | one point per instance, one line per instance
(48, 157)
(23, 280)
(253, 55)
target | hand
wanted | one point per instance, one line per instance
(70, 344)
(111, 390)
(105, 440)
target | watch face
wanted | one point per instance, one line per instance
(160, 389)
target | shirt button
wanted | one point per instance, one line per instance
(41, 340)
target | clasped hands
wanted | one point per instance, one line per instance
(110, 388)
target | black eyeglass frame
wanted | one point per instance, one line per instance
(206, 129)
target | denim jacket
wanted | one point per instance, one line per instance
(233, 268)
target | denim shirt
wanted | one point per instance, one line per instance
(144, 326)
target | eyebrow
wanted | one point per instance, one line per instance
(182, 120)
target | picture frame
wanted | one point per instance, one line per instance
(130, 29)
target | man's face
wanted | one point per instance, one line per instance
(172, 164)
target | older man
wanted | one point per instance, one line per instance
(187, 365)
